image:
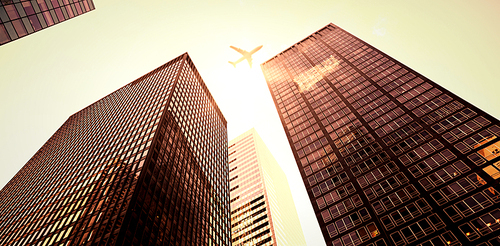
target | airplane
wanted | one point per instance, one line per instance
(246, 55)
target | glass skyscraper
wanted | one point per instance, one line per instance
(145, 165)
(387, 156)
(262, 207)
(19, 18)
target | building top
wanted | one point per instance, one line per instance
(187, 59)
(293, 46)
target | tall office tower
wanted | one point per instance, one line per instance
(387, 156)
(262, 207)
(145, 165)
(19, 18)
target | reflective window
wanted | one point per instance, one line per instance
(34, 22)
(18, 25)
(493, 170)
(4, 36)
(28, 9)
(11, 11)
(490, 152)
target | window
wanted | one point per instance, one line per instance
(462, 148)
(331, 230)
(350, 188)
(374, 176)
(485, 224)
(377, 206)
(348, 222)
(318, 165)
(470, 233)
(449, 238)
(493, 170)
(479, 139)
(343, 207)
(354, 144)
(395, 199)
(364, 153)
(494, 129)
(420, 152)
(476, 159)
(453, 214)
(423, 205)
(482, 121)
(18, 25)
(456, 189)
(385, 186)
(492, 194)
(371, 163)
(472, 204)
(491, 152)
(335, 195)
(387, 222)
(401, 216)
(433, 241)
(439, 177)
(397, 239)
(415, 231)
(333, 182)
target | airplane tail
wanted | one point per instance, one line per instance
(234, 64)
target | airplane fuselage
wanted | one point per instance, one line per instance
(246, 55)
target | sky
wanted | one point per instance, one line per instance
(49, 75)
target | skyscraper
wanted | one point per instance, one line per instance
(19, 18)
(387, 156)
(145, 165)
(262, 207)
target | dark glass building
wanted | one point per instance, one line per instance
(145, 165)
(387, 156)
(19, 18)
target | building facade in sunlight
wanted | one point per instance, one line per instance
(262, 207)
(387, 156)
(145, 165)
(21, 18)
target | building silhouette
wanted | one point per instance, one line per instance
(20, 18)
(387, 156)
(145, 165)
(262, 207)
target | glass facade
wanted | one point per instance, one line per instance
(387, 156)
(262, 208)
(19, 18)
(145, 165)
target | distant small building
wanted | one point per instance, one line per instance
(262, 207)
(20, 18)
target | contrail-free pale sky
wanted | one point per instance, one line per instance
(47, 76)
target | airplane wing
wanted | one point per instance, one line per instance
(256, 49)
(239, 60)
(241, 51)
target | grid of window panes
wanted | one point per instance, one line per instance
(251, 222)
(86, 184)
(205, 129)
(387, 156)
(19, 18)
